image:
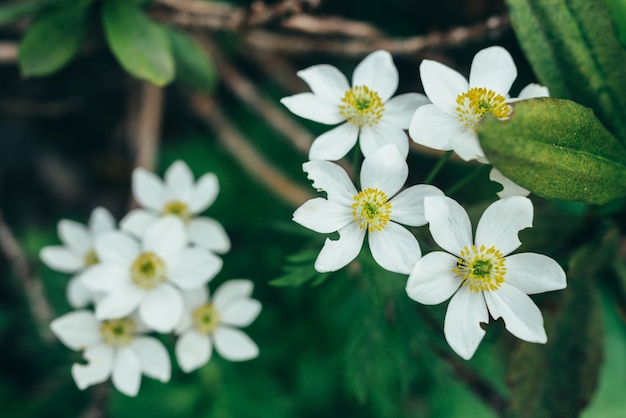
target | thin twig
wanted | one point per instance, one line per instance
(144, 123)
(331, 25)
(8, 52)
(249, 158)
(30, 108)
(28, 280)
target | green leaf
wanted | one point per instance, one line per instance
(140, 45)
(573, 49)
(556, 149)
(299, 270)
(14, 11)
(53, 40)
(193, 66)
(617, 8)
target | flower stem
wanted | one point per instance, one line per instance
(356, 160)
(461, 183)
(445, 157)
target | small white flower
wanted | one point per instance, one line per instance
(77, 252)
(113, 348)
(375, 210)
(366, 109)
(450, 123)
(480, 276)
(149, 274)
(215, 323)
(177, 195)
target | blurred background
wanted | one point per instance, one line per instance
(349, 344)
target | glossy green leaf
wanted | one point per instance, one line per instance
(557, 149)
(140, 45)
(53, 40)
(194, 67)
(573, 49)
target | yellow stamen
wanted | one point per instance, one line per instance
(371, 209)
(148, 271)
(118, 332)
(361, 106)
(177, 208)
(481, 268)
(206, 318)
(91, 258)
(477, 102)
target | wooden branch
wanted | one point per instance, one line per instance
(144, 123)
(249, 158)
(8, 52)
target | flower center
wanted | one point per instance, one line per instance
(177, 208)
(118, 332)
(205, 318)
(371, 209)
(148, 271)
(91, 258)
(481, 268)
(361, 106)
(477, 102)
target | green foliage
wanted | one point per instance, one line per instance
(617, 8)
(18, 10)
(299, 270)
(557, 149)
(194, 67)
(53, 39)
(573, 49)
(140, 45)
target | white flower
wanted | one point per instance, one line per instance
(510, 188)
(215, 323)
(375, 209)
(77, 252)
(149, 274)
(113, 349)
(480, 276)
(366, 109)
(450, 123)
(177, 195)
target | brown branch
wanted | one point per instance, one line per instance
(8, 52)
(249, 158)
(144, 123)
(28, 281)
(316, 25)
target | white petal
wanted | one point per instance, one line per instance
(394, 248)
(466, 146)
(62, 259)
(126, 372)
(462, 329)
(374, 137)
(400, 109)
(117, 248)
(494, 69)
(534, 273)
(74, 235)
(208, 233)
(234, 345)
(311, 107)
(521, 316)
(385, 170)
(231, 291)
(193, 350)
(432, 281)
(162, 308)
(501, 222)
(122, 302)
(407, 207)
(332, 179)
(205, 193)
(532, 91)
(378, 72)
(104, 277)
(326, 82)
(137, 222)
(78, 295)
(77, 329)
(153, 358)
(337, 254)
(149, 190)
(323, 216)
(509, 188)
(334, 144)
(241, 312)
(442, 85)
(194, 267)
(179, 181)
(98, 369)
(166, 237)
(449, 224)
(195, 297)
(434, 129)
(101, 221)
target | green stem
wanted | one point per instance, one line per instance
(445, 157)
(461, 183)
(356, 160)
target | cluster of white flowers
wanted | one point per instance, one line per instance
(151, 274)
(480, 275)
